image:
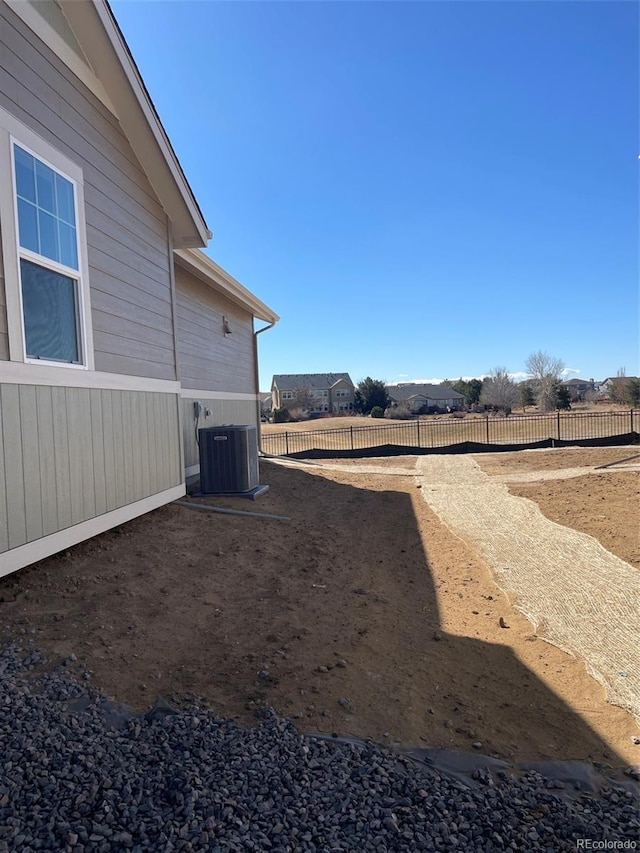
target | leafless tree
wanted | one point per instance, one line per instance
(499, 389)
(545, 373)
(304, 399)
(618, 387)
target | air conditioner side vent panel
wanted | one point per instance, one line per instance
(228, 459)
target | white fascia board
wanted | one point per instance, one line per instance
(64, 376)
(97, 32)
(200, 394)
(208, 271)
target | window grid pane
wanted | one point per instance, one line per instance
(50, 196)
(65, 201)
(28, 226)
(25, 175)
(45, 188)
(68, 246)
(49, 244)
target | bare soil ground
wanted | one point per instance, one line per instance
(361, 615)
(587, 503)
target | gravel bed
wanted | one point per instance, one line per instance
(77, 776)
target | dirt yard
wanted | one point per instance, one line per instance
(586, 503)
(362, 614)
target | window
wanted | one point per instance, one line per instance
(320, 393)
(342, 392)
(48, 251)
(287, 395)
(44, 247)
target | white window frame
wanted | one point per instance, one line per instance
(287, 395)
(14, 132)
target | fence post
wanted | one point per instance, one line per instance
(487, 425)
(286, 443)
(351, 430)
(558, 419)
(418, 429)
(631, 419)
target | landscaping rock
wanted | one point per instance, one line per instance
(188, 780)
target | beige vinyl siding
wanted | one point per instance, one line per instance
(13, 486)
(222, 412)
(207, 358)
(68, 455)
(128, 253)
(113, 296)
(4, 339)
(4, 520)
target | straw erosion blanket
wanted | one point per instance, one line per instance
(362, 614)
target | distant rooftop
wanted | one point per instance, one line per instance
(406, 390)
(313, 381)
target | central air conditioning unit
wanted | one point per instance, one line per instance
(228, 460)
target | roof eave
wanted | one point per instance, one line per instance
(97, 31)
(212, 274)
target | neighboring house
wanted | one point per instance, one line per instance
(614, 387)
(99, 235)
(420, 397)
(579, 389)
(318, 392)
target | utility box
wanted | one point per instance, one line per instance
(229, 460)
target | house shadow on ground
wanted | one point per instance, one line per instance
(361, 615)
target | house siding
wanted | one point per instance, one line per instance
(128, 256)
(50, 12)
(71, 454)
(216, 370)
(207, 358)
(82, 451)
(225, 411)
(76, 457)
(4, 338)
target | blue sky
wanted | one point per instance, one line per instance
(419, 189)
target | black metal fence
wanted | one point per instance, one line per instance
(523, 430)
